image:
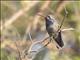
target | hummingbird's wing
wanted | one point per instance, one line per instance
(58, 39)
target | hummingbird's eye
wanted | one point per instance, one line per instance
(48, 17)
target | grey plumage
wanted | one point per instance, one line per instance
(52, 27)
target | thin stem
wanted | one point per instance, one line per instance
(68, 29)
(62, 20)
(18, 51)
(30, 37)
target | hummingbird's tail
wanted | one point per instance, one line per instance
(58, 39)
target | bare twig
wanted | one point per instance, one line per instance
(62, 20)
(28, 28)
(30, 37)
(68, 29)
(18, 51)
(60, 6)
(45, 39)
(16, 43)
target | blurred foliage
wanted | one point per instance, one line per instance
(29, 21)
(6, 56)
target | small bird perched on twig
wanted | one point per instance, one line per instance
(52, 28)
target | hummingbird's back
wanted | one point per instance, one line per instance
(52, 28)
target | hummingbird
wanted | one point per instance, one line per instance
(52, 28)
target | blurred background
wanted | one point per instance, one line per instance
(19, 18)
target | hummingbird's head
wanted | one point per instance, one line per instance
(49, 19)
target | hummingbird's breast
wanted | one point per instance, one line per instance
(51, 27)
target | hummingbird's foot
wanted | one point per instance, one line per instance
(57, 47)
(47, 43)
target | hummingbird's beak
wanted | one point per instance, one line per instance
(41, 15)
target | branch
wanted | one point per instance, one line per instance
(63, 19)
